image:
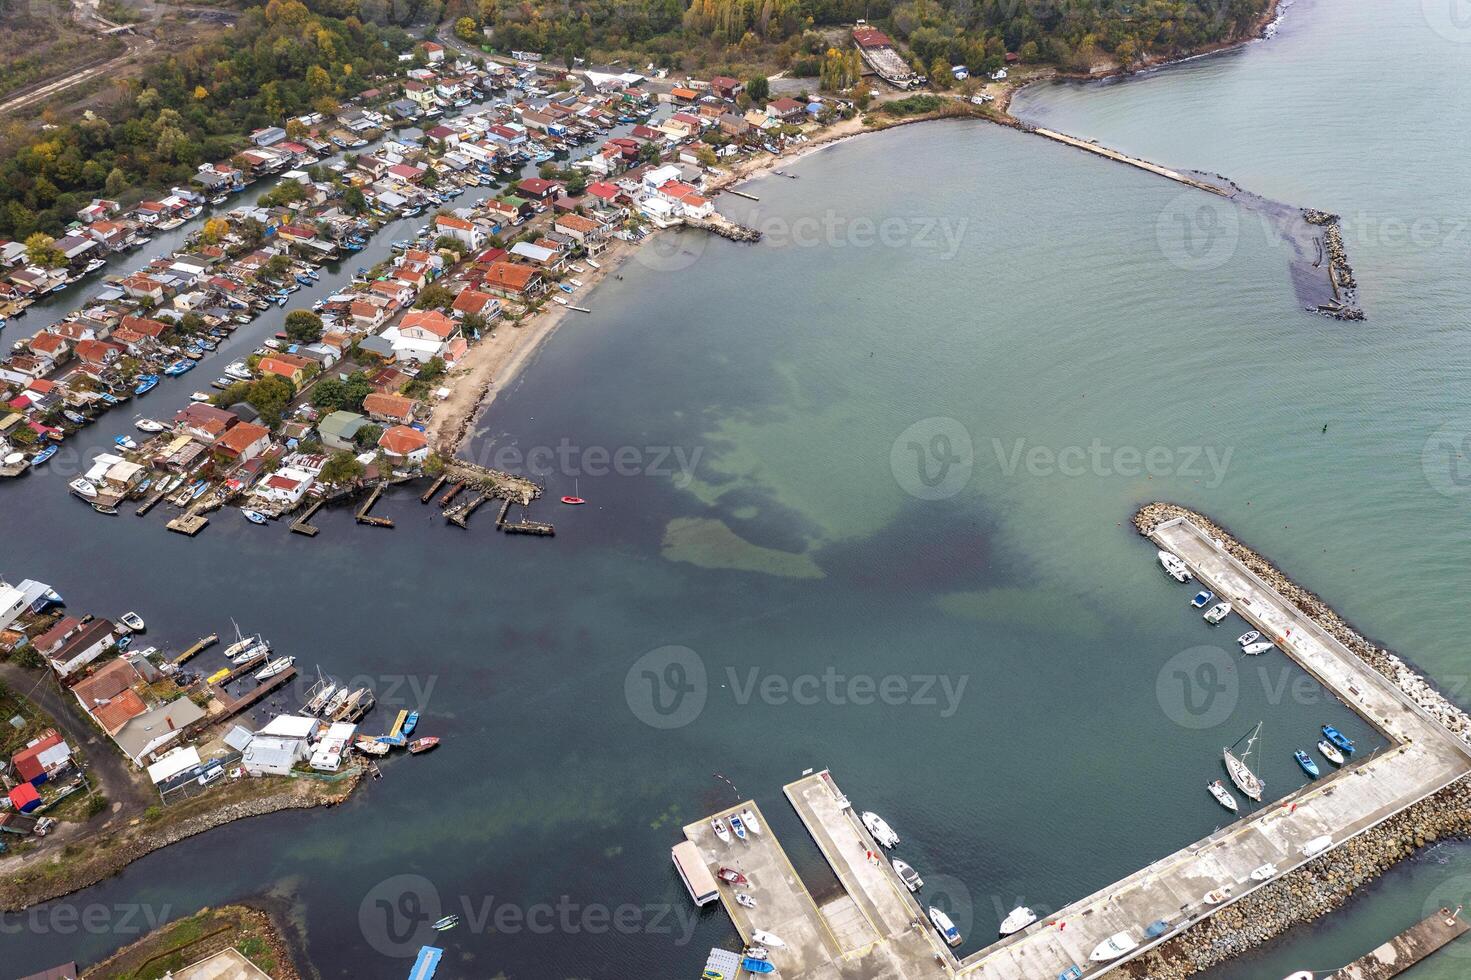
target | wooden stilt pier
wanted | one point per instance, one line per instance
(205, 642)
(303, 525)
(363, 517)
(433, 489)
(188, 524)
(147, 504)
(451, 494)
(234, 705)
(461, 515)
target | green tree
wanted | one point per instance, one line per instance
(303, 327)
(41, 250)
(466, 30)
(270, 396)
(435, 297)
(340, 468)
(758, 88)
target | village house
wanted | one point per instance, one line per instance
(243, 441)
(788, 110)
(89, 642)
(204, 422)
(289, 366)
(472, 301)
(394, 409)
(401, 443)
(459, 229)
(141, 736)
(285, 487)
(513, 280)
(44, 758)
(726, 87)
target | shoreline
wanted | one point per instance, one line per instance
(1328, 882)
(27, 884)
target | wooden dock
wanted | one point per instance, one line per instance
(188, 524)
(451, 494)
(433, 489)
(522, 526)
(234, 705)
(363, 517)
(732, 190)
(205, 642)
(461, 515)
(148, 504)
(303, 524)
(237, 671)
(1408, 948)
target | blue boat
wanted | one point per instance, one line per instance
(1156, 929)
(1341, 741)
(1306, 761)
(182, 366)
(123, 643)
(427, 963)
(410, 723)
(146, 383)
(564, 287)
(1202, 598)
(43, 455)
(756, 966)
(75, 418)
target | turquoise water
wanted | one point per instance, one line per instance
(1096, 339)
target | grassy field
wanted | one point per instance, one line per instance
(203, 934)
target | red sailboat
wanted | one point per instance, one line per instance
(573, 499)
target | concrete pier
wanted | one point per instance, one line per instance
(1407, 949)
(1124, 158)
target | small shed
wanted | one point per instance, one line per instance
(25, 798)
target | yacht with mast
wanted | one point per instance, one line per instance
(1246, 780)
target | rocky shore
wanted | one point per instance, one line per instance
(48, 876)
(1324, 884)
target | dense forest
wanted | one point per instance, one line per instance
(278, 60)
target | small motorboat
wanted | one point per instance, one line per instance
(1330, 752)
(753, 965)
(731, 875)
(149, 425)
(737, 827)
(107, 509)
(198, 397)
(1264, 873)
(1340, 741)
(767, 938)
(1222, 794)
(446, 923)
(1202, 598)
(945, 927)
(1317, 846)
(748, 817)
(43, 456)
(757, 953)
(745, 901)
(879, 828)
(83, 488)
(124, 442)
(1216, 613)
(75, 418)
(721, 831)
(908, 875)
(1216, 896)
(277, 666)
(1256, 649)
(559, 301)
(1174, 567)
(1113, 947)
(1247, 639)
(420, 745)
(133, 622)
(1306, 761)
(253, 516)
(1017, 919)
(146, 383)
(410, 723)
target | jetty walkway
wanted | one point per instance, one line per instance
(874, 929)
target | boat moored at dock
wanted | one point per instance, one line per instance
(1017, 919)
(945, 927)
(879, 828)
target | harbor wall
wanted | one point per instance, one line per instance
(1324, 884)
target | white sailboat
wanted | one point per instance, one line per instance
(1246, 780)
(275, 667)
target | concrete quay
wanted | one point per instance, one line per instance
(1408, 948)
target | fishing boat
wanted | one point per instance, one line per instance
(1216, 613)
(277, 666)
(1340, 741)
(1017, 919)
(1201, 598)
(745, 901)
(43, 456)
(446, 923)
(721, 831)
(133, 622)
(559, 301)
(880, 829)
(1113, 947)
(757, 953)
(1256, 649)
(148, 425)
(1216, 896)
(767, 938)
(124, 442)
(1243, 777)
(421, 745)
(83, 488)
(253, 516)
(1222, 794)
(1264, 873)
(732, 876)
(146, 383)
(107, 509)
(75, 418)
(1306, 762)
(908, 875)
(1248, 638)
(410, 723)
(748, 817)
(945, 927)
(737, 827)
(198, 397)
(752, 965)
(1330, 752)
(594, 263)
(1174, 566)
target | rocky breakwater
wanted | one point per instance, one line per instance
(1327, 882)
(1340, 273)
